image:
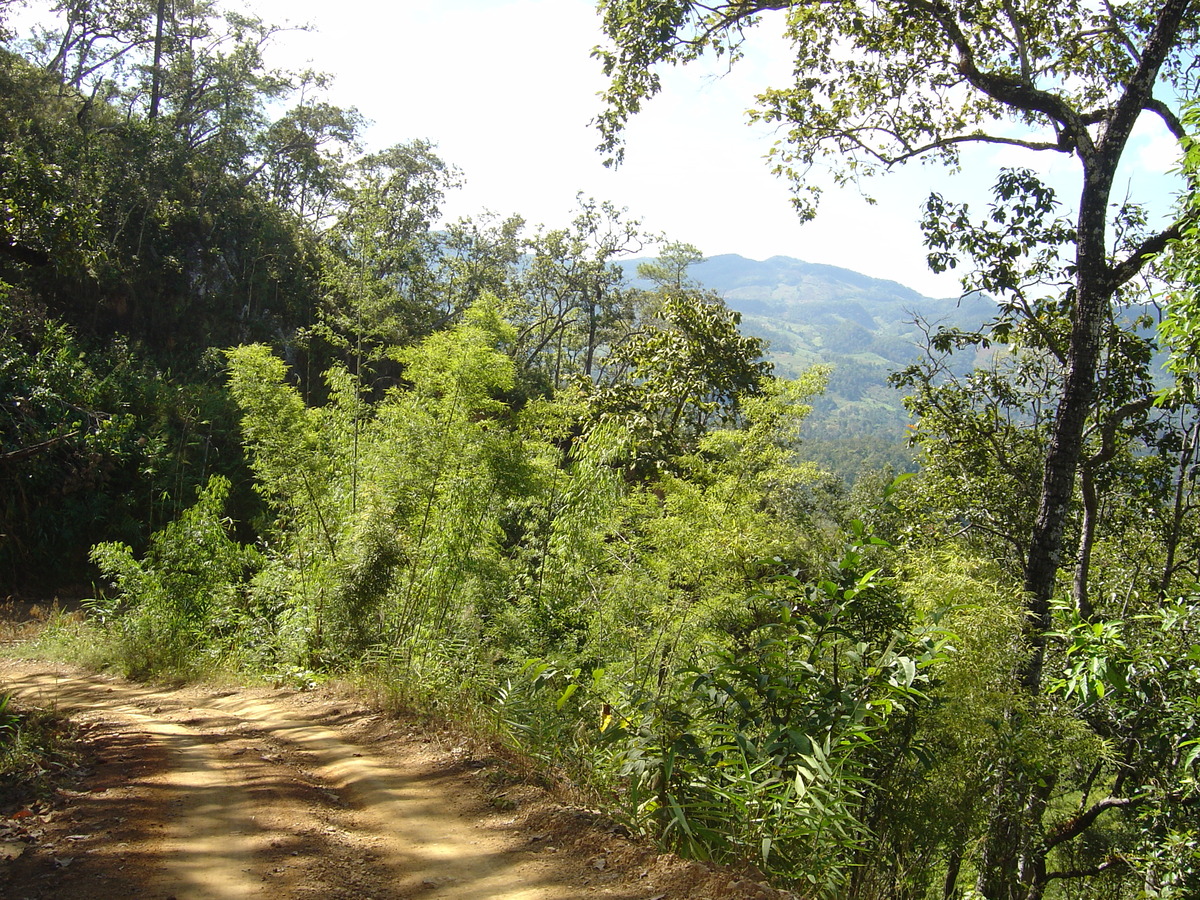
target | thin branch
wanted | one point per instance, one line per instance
(1042, 329)
(1089, 872)
(1012, 92)
(974, 138)
(1122, 37)
(1148, 250)
(1108, 447)
(33, 449)
(1019, 40)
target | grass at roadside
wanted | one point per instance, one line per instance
(37, 747)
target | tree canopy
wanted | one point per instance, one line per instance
(878, 84)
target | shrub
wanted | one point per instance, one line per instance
(182, 604)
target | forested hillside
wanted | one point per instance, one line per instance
(286, 422)
(862, 329)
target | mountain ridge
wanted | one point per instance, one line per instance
(753, 273)
(862, 327)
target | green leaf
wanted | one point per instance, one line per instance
(565, 696)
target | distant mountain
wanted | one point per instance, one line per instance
(864, 328)
(782, 282)
(812, 312)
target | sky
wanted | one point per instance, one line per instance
(507, 89)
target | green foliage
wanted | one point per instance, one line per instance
(378, 259)
(392, 515)
(1096, 658)
(276, 425)
(1141, 676)
(8, 719)
(577, 511)
(95, 445)
(182, 605)
(1036, 458)
(680, 379)
(527, 493)
(874, 86)
(1180, 328)
(151, 223)
(35, 746)
(763, 750)
(570, 307)
(446, 533)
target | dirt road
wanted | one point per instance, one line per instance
(201, 794)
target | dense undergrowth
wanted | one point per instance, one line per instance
(711, 652)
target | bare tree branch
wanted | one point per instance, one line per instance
(1064, 831)
(1168, 116)
(34, 449)
(977, 139)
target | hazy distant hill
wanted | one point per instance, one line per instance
(782, 283)
(816, 313)
(864, 327)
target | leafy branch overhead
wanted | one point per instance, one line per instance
(878, 84)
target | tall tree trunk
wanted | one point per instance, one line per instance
(156, 70)
(1087, 540)
(1093, 293)
(1018, 815)
(1095, 283)
(590, 303)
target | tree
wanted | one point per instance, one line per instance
(168, 228)
(995, 423)
(5, 6)
(479, 256)
(684, 371)
(572, 305)
(95, 37)
(188, 65)
(380, 254)
(879, 84)
(669, 271)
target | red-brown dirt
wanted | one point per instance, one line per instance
(200, 792)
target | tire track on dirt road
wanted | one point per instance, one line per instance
(206, 794)
(258, 799)
(205, 846)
